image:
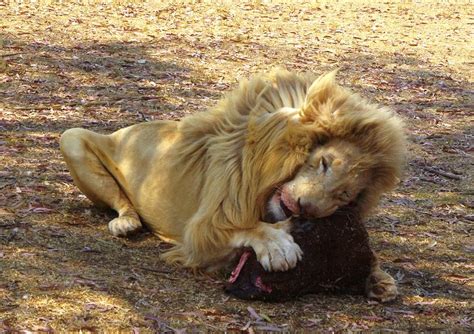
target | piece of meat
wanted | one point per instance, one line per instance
(337, 258)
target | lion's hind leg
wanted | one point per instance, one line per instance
(87, 154)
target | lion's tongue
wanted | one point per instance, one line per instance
(276, 197)
(258, 280)
(288, 205)
(277, 200)
(236, 272)
(286, 210)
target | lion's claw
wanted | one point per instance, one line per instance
(124, 225)
(278, 251)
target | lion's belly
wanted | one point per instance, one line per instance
(165, 203)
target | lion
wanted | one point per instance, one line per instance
(281, 144)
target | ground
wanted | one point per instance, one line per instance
(106, 66)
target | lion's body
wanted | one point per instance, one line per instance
(205, 182)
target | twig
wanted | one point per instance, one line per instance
(161, 273)
(143, 117)
(67, 104)
(428, 180)
(442, 173)
(10, 54)
(109, 102)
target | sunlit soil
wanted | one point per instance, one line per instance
(104, 67)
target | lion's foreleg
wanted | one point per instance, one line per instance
(204, 245)
(274, 246)
(209, 242)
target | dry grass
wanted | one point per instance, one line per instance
(105, 66)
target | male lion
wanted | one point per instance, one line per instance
(282, 144)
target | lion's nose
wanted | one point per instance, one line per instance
(307, 209)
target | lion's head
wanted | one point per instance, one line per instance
(355, 150)
(331, 178)
(298, 145)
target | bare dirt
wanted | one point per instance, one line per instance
(104, 67)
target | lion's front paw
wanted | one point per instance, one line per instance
(277, 251)
(381, 286)
(124, 225)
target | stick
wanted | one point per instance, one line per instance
(67, 104)
(143, 117)
(161, 273)
(10, 54)
(442, 173)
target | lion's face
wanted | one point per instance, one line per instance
(330, 179)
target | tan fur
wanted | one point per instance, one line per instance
(374, 130)
(204, 182)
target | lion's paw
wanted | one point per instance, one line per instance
(381, 286)
(277, 251)
(124, 225)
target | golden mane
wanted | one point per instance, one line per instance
(261, 133)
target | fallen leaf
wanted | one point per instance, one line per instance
(89, 283)
(431, 245)
(4, 212)
(43, 329)
(400, 311)
(269, 328)
(313, 322)
(403, 259)
(87, 249)
(265, 317)
(254, 313)
(40, 210)
(3, 66)
(54, 286)
(372, 318)
(99, 308)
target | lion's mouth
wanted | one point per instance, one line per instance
(279, 208)
(286, 210)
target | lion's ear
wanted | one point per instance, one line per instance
(322, 90)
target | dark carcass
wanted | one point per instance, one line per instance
(337, 258)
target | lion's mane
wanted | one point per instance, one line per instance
(243, 148)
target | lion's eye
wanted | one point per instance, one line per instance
(324, 164)
(344, 195)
